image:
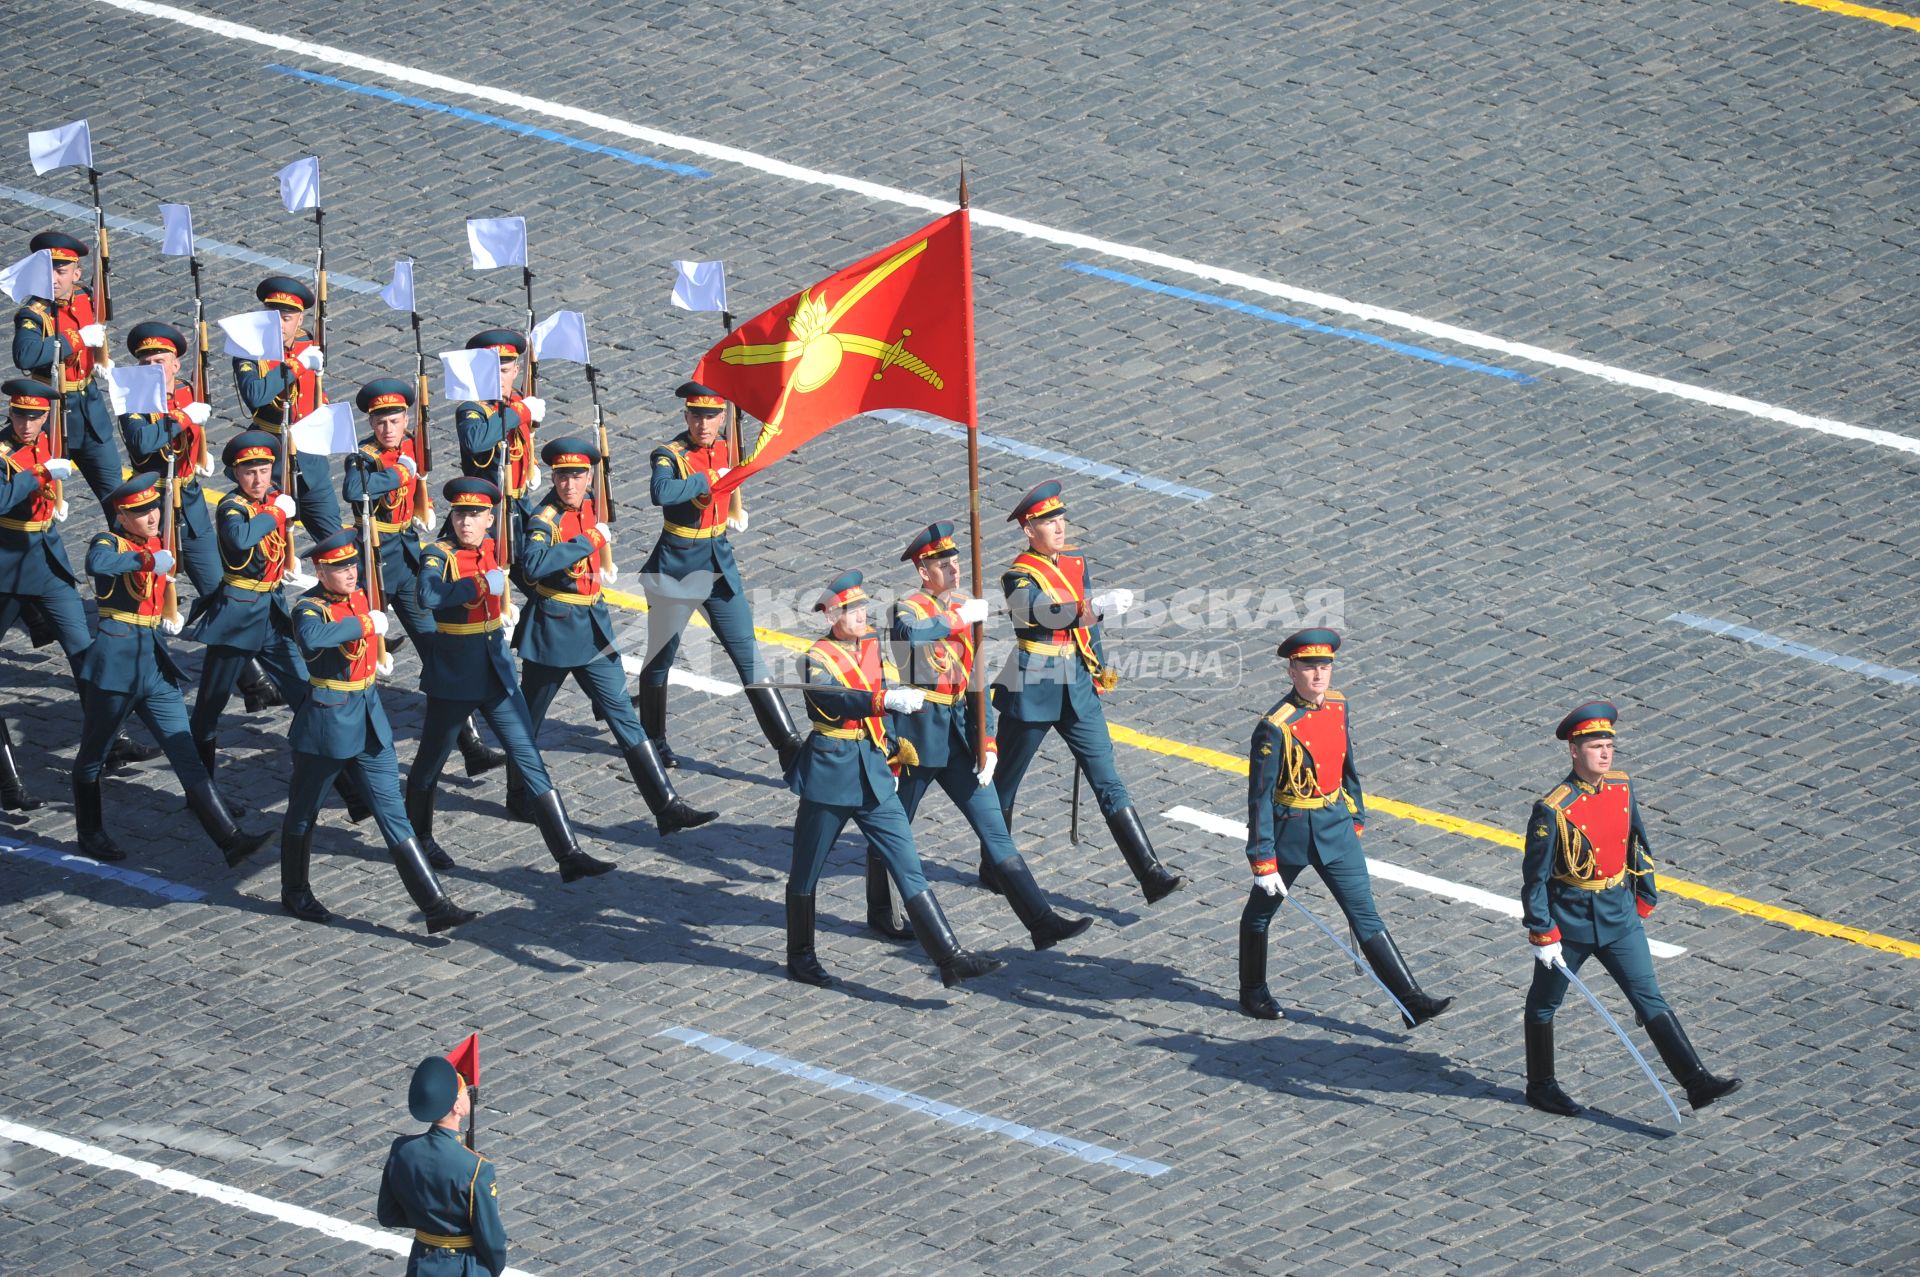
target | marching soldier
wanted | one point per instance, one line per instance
(1057, 675)
(341, 725)
(440, 1188)
(37, 581)
(63, 329)
(279, 394)
(1587, 881)
(464, 585)
(386, 472)
(845, 771)
(566, 630)
(932, 634)
(497, 436)
(1305, 807)
(692, 566)
(128, 670)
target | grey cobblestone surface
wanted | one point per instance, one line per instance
(1719, 193)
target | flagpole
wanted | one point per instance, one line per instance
(976, 692)
(102, 298)
(320, 301)
(533, 365)
(735, 506)
(423, 496)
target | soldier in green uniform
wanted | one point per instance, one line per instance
(566, 630)
(281, 393)
(1056, 676)
(1305, 807)
(386, 477)
(1586, 883)
(692, 567)
(497, 441)
(61, 338)
(846, 771)
(128, 670)
(441, 1189)
(932, 635)
(461, 581)
(341, 725)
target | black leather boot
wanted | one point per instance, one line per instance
(478, 755)
(296, 893)
(257, 689)
(235, 843)
(40, 627)
(802, 963)
(551, 815)
(670, 812)
(881, 915)
(13, 790)
(987, 879)
(1543, 1091)
(1703, 1088)
(1156, 881)
(410, 858)
(209, 751)
(651, 706)
(1045, 927)
(937, 938)
(420, 816)
(88, 825)
(776, 724)
(1255, 998)
(1384, 956)
(519, 800)
(125, 749)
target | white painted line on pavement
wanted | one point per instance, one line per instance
(883, 194)
(939, 1111)
(1806, 652)
(226, 1195)
(1493, 902)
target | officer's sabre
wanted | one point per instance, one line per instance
(1560, 965)
(1073, 820)
(1324, 930)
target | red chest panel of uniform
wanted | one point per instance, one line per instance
(40, 509)
(1605, 817)
(477, 563)
(304, 378)
(137, 591)
(951, 659)
(520, 454)
(701, 460)
(360, 653)
(68, 321)
(577, 523)
(1062, 580)
(860, 670)
(396, 508)
(1324, 732)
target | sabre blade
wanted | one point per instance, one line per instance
(1341, 945)
(1560, 964)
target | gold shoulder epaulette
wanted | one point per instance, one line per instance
(1336, 696)
(1280, 716)
(1615, 775)
(1559, 792)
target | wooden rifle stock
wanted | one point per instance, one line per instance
(170, 541)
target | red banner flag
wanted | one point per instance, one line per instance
(894, 330)
(465, 1059)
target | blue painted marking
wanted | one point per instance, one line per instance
(1820, 656)
(1059, 460)
(113, 873)
(938, 1110)
(494, 121)
(219, 248)
(1312, 326)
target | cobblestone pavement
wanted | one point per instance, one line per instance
(1718, 193)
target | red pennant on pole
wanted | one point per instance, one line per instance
(465, 1059)
(894, 330)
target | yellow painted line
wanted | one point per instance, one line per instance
(1458, 825)
(1886, 17)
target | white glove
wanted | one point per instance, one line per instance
(313, 359)
(285, 505)
(197, 412)
(1271, 884)
(411, 466)
(536, 407)
(896, 784)
(60, 468)
(162, 562)
(721, 473)
(609, 575)
(904, 700)
(606, 533)
(533, 478)
(496, 582)
(380, 623)
(60, 511)
(1547, 955)
(1112, 602)
(985, 774)
(171, 626)
(973, 611)
(206, 468)
(737, 522)
(94, 335)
